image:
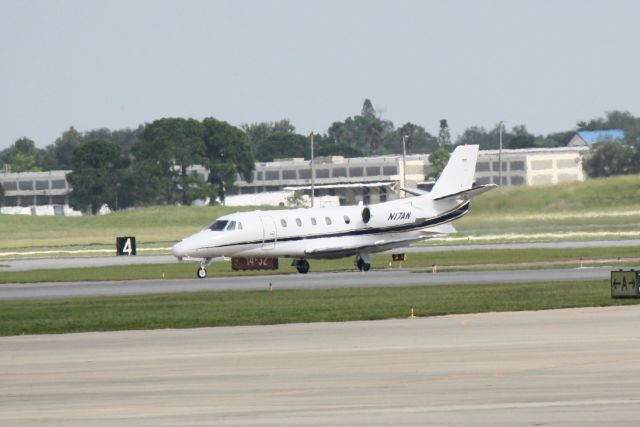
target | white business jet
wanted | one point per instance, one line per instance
(339, 232)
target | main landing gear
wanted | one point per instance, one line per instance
(202, 270)
(363, 262)
(302, 265)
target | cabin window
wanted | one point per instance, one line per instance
(218, 225)
(327, 220)
(299, 222)
(283, 223)
(231, 226)
(347, 220)
(313, 221)
(239, 226)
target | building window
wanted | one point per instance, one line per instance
(10, 185)
(299, 222)
(11, 201)
(482, 167)
(483, 180)
(517, 180)
(322, 173)
(58, 200)
(25, 185)
(58, 184)
(566, 163)
(259, 176)
(373, 170)
(313, 221)
(383, 197)
(356, 171)
(517, 166)
(272, 175)
(390, 170)
(496, 166)
(42, 185)
(347, 220)
(42, 200)
(327, 220)
(289, 174)
(541, 164)
(283, 223)
(304, 173)
(339, 172)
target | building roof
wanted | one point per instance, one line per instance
(593, 136)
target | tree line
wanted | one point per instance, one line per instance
(152, 164)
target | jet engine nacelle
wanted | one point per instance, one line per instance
(384, 216)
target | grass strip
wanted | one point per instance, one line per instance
(205, 309)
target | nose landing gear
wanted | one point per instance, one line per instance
(202, 270)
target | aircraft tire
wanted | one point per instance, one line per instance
(366, 266)
(302, 265)
(201, 273)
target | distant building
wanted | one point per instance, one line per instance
(532, 166)
(585, 138)
(353, 180)
(35, 188)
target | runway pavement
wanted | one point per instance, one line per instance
(353, 279)
(104, 261)
(575, 367)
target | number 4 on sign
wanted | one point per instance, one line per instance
(127, 247)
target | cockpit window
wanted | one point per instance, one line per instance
(218, 225)
(232, 226)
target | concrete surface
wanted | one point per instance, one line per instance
(575, 367)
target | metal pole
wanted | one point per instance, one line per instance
(313, 174)
(501, 124)
(404, 162)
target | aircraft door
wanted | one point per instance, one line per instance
(269, 233)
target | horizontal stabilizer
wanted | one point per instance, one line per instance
(415, 191)
(467, 194)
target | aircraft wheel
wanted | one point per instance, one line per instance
(362, 265)
(302, 265)
(202, 273)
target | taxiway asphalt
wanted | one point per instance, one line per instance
(576, 367)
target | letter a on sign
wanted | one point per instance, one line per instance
(126, 245)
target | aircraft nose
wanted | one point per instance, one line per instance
(179, 250)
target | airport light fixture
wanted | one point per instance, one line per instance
(313, 174)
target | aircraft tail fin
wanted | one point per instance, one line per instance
(457, 176)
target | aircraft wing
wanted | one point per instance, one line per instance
(348, 250)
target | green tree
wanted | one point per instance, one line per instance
(283, 145)
(438, 160)
(98, 168)
(444, 136)
(611, 158)
(418, 140)
(229, 154)
(163, 154)
(22, 156)
(365, 132)
(258, 133)
(60, 152)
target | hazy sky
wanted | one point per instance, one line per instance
(117, 64)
